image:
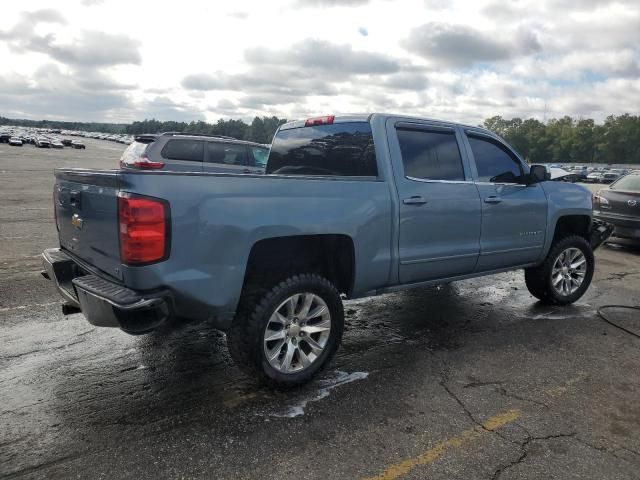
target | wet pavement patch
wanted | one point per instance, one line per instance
(418, 389)
(319, 389)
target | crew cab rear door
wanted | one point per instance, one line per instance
(440, 210)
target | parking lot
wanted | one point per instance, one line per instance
(463, 381)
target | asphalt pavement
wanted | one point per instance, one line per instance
(472, 380)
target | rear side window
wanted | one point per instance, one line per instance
(341, 149)
(134, 151)
(225, 153)
(493, 162)
(183, 149)
(431, 155)
(258, 156)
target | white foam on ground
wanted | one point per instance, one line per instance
(326, 385)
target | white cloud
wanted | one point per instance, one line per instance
(452, 59)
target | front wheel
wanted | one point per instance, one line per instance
(565, 274)
(285, 335)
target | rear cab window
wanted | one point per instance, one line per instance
(184, 149)
(338, 149)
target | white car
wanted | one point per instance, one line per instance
(593, 177)
(16, 142)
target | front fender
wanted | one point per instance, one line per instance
(564, 199)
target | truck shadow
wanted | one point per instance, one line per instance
(185, 375)
(625, 245)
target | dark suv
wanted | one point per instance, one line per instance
(189, 152)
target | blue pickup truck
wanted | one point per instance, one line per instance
(349, 206)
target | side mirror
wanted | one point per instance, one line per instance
(538, 173)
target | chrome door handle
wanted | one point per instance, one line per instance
(493, 199)
(416, 200)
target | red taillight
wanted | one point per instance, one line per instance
(327, 120)
(143, 163)
(143, 229)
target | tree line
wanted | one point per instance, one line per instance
(260, 130)
(566, 139)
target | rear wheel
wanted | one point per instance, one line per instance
(285, 335)
(565, 274)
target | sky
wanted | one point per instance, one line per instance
(120, 61)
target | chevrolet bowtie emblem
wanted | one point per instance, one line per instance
(76, 221)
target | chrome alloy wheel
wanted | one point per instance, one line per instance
(297, 332)
(568, 271)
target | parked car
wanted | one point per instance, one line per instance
(16, 142)
(194, 153)
(619, 205)
(581, 173)
(593, 177)
(562, 175)
(56, 144)
(67, 142)
(609, 177)
(77, 144)
(42, 142)
(355, 206)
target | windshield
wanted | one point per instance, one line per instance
(343, 149)
(630, 183)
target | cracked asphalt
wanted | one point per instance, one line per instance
(472, 380)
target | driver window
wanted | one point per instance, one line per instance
(494, 163)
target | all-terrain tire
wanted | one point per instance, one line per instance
(539, 280)
(245, 339)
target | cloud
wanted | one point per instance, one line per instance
(92, 3)
(96, 49)
(90, 48)
(324, 57)
(406, 81)
(461, 46)
(239, 15)
(308, 68)
(52, 93)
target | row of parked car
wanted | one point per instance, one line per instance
(40, 138)
(581, 173)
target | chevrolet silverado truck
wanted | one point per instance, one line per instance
(349, 206)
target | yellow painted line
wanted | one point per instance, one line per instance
(435, 452)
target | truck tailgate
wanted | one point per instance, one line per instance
(86, 205)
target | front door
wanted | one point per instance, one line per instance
(440, 208)
(514, 215)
